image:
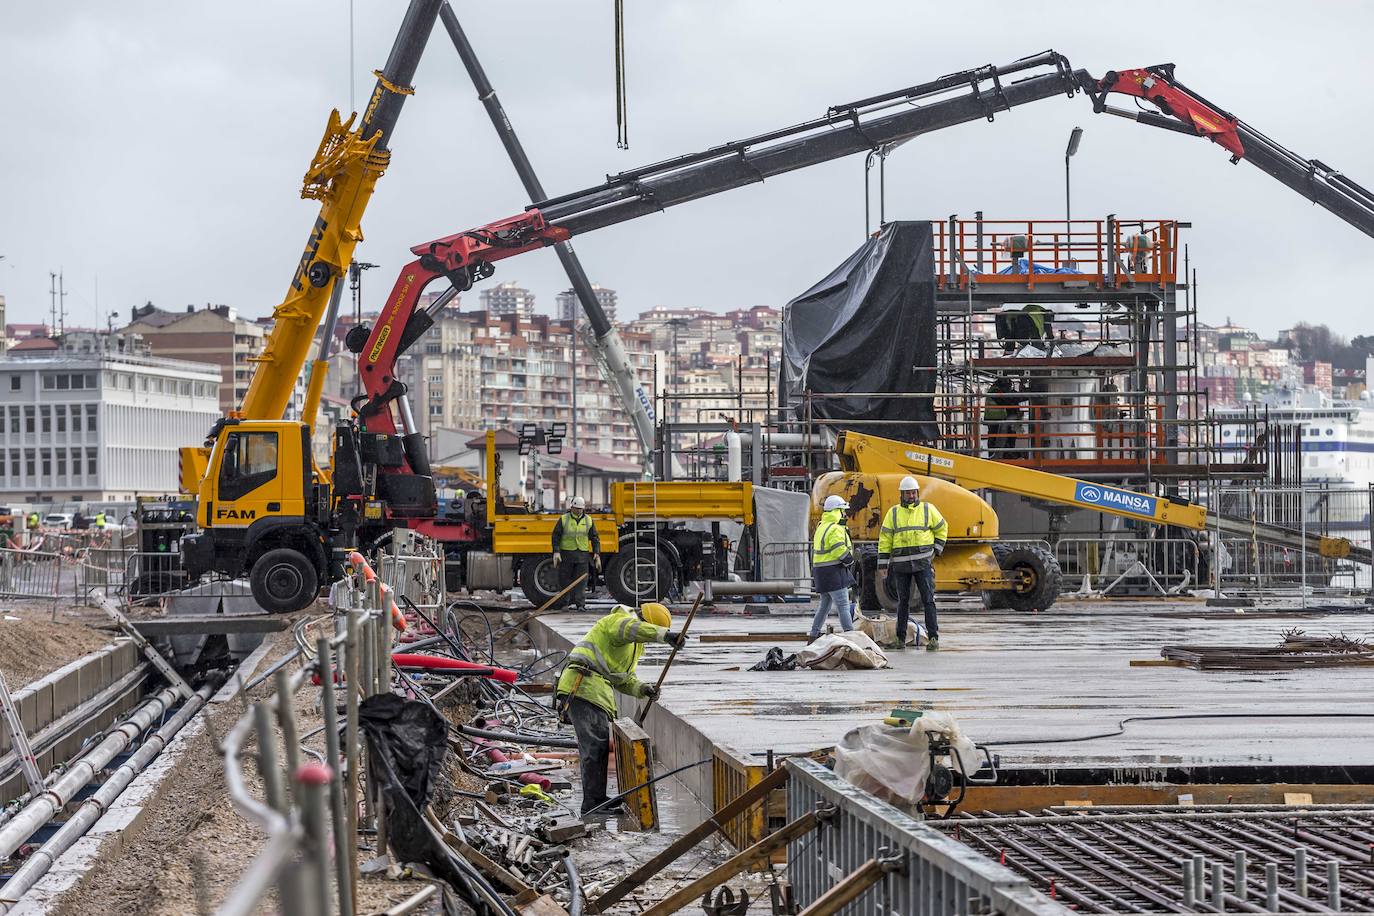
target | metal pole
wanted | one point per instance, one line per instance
(1238, 867)
(1300, 871)
(274, 793)
(1271, 887)
(351, 744)
(290, 735)
(1218, 888)
(343, 847)
(310, 781)
(1333, 884)
(1189, 897)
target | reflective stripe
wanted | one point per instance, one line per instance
(575, 533)
(599, 663)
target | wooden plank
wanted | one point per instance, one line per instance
(542, 906)
(759, 852)
(634, 766)
(753, 637)
(716, 822)
(1157, 663)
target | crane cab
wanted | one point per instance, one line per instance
(261, 513)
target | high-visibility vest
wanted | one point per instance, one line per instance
(33, 520)
(100, 519)
(831, 545)
(576, 533)
(604, 660)
(909, 533)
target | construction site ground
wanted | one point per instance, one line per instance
(1030, 683)
(38, 636)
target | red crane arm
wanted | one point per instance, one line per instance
(1157, 86)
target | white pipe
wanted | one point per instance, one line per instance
(94, 807)
(734, 462)
(39, 811)
(784, 440)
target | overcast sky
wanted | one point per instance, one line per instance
(154, 150)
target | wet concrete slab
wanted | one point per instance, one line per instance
(1031, 684)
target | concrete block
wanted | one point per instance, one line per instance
(67, 692)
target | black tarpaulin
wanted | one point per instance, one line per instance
(865, 329)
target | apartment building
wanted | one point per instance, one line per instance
(478, 370)
(99, 424)
(509, 298)
(570, 307)
(214, 335)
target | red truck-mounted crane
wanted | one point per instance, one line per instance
(381, 468)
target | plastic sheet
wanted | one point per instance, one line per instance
(865, 329)
(893, 764)
(835, 651)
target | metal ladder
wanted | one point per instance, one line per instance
(645, 549)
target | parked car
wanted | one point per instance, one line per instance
(57, 520)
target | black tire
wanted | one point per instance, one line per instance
(284, 581)
(631, 579)
(1039, 578)
(539, 578)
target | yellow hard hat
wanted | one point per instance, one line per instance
(657, 614)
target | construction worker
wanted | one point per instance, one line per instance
(832, 562)
(32, 523)
(1001, 413)
(100, 520)
(912, 536)
(576, 548)
(602, 663)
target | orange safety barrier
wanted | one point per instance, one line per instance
(1103, 254)
(359, 562)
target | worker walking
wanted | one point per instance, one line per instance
(912, 536)
(832, 563)
(602, 663)
(576, 548)
(100, 520)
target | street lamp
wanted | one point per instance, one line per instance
(1074, 139)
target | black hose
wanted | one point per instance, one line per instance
(574, 886)
(1121, 726)
(616, 799)
(516, 738)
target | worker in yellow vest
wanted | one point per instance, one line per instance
(912, 536)
(100, 520)
(602, 664)
(576, 549)
(832, 561)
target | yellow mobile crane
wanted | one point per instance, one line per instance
(1023, 577)
(342, 176)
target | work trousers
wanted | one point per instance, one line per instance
(574, 563)
(593, 728)
(839, 599)
(902, 576)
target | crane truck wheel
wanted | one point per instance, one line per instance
(284, 580)
(634, 577)
(539, 578)
(1039, 578)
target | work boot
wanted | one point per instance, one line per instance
(932, 645)
(811, 637)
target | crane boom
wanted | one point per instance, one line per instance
(341, 177)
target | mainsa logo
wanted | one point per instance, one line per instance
(1122, 500)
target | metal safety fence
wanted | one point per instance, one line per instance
(787, 561)
(1122, 565)
(1246, 562)
(310, 810)
(890, 861)
(414, 566)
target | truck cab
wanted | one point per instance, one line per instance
(262, 513)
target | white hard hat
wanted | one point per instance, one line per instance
(835, 502)
(579, 503)
(909, 483)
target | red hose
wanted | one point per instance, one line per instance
(440, 663)
(496, 755)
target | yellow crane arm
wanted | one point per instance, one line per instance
(871, 454)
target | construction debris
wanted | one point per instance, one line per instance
(1295, 650)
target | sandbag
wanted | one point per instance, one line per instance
(883, 629)
(848, 650)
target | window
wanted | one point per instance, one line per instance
(62, 462)
(90, 418)
(125, 380)
(14, 420)
(47, 463)
(46, 413)
(49, 382)
(64, 382)
(90, 461)
(61, 418)
(436, 410)
(30, 459)
(432, 348)
(28, 420)
(250, 460)
(184, 388)
(14, 465)
(76, 418)
(15, 382)
(90, 380)
(76, 462)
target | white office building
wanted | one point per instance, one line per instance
(81, 427)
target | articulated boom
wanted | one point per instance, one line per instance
(1157, 85)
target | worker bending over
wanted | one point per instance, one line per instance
(576, 548)
(601, 663)
(832, 564)
(912, 536)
